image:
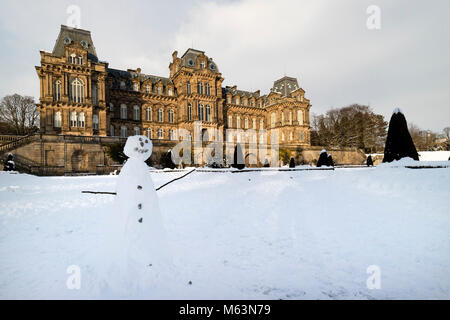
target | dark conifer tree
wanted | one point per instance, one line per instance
(292, 163)
(369, 161)
(166, 160)
(238, 159)
(330, 161)
(399, 143)
(323, 159)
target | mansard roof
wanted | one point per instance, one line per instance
(133, 74)
(68, 35)
(190, 57)
(285, 86)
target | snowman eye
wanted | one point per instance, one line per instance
(140, 139)
(136, 149)
(146, 141)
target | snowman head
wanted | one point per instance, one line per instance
(138, 147)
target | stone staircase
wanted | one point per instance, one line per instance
(11, 144)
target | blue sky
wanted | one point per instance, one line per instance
(325, 44)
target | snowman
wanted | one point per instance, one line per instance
(137, 241)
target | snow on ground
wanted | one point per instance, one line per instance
(255, 235)
(434, 155)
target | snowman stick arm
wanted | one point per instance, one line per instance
(160, 187)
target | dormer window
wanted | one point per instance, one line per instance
(122, 85)
(169, 92)
(135, 87)
(147, 89)
(159, 90)
(73, 58)
(202, 65)
(80, 59)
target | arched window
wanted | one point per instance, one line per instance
(160, 115)
(148, 133)
(273, 119)
(189, 112)
(238, 122)
(199, 88)
(95, 122)
(112, 131)
(300, 116)
(246, 123)
(170, 92)
(230, 121)
(208, 89)
(136, 113)
(171, 116)
(80, 59)
(245, 102)
(208, 113)
(237, 100)
(57, 91)
(137, 131)
(123, 111)
(160, 133)
(135, 87)
(229, 99)
(73, 58)
(73, 119)
(77, 91)
(188, 88)
(123, 132)
(171, 135)
(200, 112)
(148, 114)
(147, 89)
(57, 122)
(81, 119)
(94, 93)
(159, 90)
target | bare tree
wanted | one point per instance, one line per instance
(18, 114)
(447, 132)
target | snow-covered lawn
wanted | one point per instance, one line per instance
(257, 235)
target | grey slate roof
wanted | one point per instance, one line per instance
(74, 36)
(285, 86)
(131, 74)
(191, 55)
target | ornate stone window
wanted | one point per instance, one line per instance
(189, 112)
(230, 121)
(282, 117)
(245, 123)
(171, 116)
(122, 85)
(254, 123)
(136, 131)
(136, 113)
(238, 122)
(201, 115)
(80, 60)
(111, 107)
(208, 113)
(81, 120)
(290, 118)
(273, 119)
(95, 122)
(57, 90)
(73, 119)
(123, 111)
(135, 87)
(77, 91)
(147, 89)
(160, 133)
(170, 92)
(188, 88)
(300, 116)
(73, 58)
(148, 114)
(171, 135)
(160, 115)
(123, 132)
(148, 133)
(261, 124)
(57, 120)
(111, 129)
(159, 90)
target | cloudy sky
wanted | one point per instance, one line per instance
(326, 45)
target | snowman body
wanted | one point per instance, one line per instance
(138, 233)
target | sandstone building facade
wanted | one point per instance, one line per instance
(81, 95)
